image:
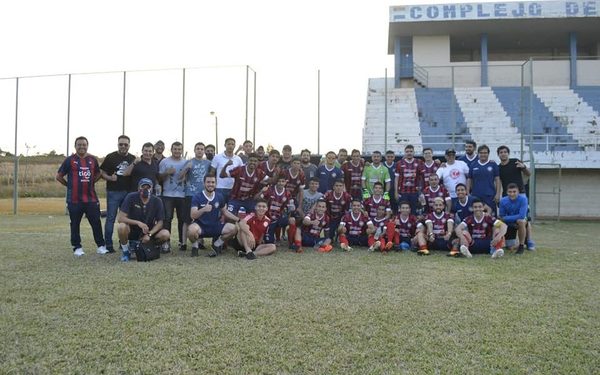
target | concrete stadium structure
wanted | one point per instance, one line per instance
(523, 74)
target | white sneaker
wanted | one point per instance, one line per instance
(498, 253)
(465, 251)
(102, 250)
(376, 245)
(345, 247)
(78, 252)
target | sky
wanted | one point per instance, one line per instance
(285, 42)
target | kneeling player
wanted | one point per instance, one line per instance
(408, 231)
(279, 198)
(312, 225)
(355, 227)
(384, 231)
(440, 226)
(250, 240)
(481, 233)
(208, 209)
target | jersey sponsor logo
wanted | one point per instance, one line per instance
(455, 173)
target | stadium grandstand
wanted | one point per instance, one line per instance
(521, 74)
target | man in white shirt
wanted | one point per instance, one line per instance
(225, 184)
(453, 172)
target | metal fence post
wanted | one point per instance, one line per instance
(16, 158)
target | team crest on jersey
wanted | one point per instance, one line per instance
(454, 173)
(361, 223)
(485, 225)
(444, 220)
(489, 169)
(265, 224)
(217, 205)
(333, 175)
(470, 209)
(409, 225)
(254, 179)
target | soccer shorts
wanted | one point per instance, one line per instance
(358, 240)
(282, 222)
(234, 206)
(440, 244)
(308, 240)
(213, 230)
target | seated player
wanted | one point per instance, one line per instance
(513, 212)
(462, 205)
(207, 212)
(247, 184)
(310, 197)
(312, 225)
(440, 226)
(481, 233)
(384, 231)
(409, 233)
(140, 218)
(250, 238)
(278, 200)
(432, 191)
(355, 227)
(338, 202)
(377, 200)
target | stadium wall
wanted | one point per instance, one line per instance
(579, 198)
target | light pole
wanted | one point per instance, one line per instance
(212, 113)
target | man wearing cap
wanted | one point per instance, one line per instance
(117, 185)
(141, 219)
(454, 172)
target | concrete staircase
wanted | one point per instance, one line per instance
(486, 120)
(572, 112)
(403, 120)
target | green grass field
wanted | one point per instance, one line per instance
(316, 313)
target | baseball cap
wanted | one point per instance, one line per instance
(450, 151)
(145, 181)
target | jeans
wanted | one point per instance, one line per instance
(92, 212)
(113, 202)
(175, 203)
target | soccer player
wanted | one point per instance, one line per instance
(355, 227)
(377, 200)
(278, 200)
(244, 150)
(513, 212)
(390, 164)
(484, 179)
(481, 234)
(338, 203)
(159, 148)
(312, 225)
(82, 171)
(432, 191)
(310, 196)
(286, 157)
(328, 173)
(429, 166)
(141, 219)
(173, 193)
(250, 239)
(260, 151)
(117, 185)
(269, 166)
(408, 178)
(454, 172)
(376, 172)
(295, 182)
(143, 167)
(247, 184)
(208, 211)
(470, 157)
(462, 205)
(383, 236)
(408, 230)
(353, 171)
(193, 173)
(440, 226)
(309, 169)
(225, 184)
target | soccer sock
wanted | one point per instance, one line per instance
(390, 230)
(291, 233)
(423, 247)
(195, 243)
(371, 240)
(125, 248)
(342, 238)
(218, 242)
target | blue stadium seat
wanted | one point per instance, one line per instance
(591, 95)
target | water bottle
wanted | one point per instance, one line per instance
(157, 190)
(291, 206)
(242, 213)
(378, 233)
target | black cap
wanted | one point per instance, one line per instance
(450, 151)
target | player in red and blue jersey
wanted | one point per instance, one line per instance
(313, 225)
(409, 232)
(279, 203)
(82, 171)
(432, 191)
(377, 200)
(269, 166)
(440, 227)
(429, 166)
(353, 171)
(247, 185)
(338, 203)
(481, 233)
(408, 178)
(383, 236)
(355, 227)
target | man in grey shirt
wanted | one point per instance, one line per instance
(310, 197)
(173, 193)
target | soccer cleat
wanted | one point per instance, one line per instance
(78, 252)
(293, 247)
(375, 245)
(531, 245)
(212, 253)
(110, 250)
(325, 249)
(241, 254)
(194, 251)
(250, 255)
(182, 247)
(201, 245)
(101, 250)
(464, 250)
(165, 247)
(454, 253)
(520, 250)
(388, 245)
(125, 256)
(498, 253)
(218, 249)
(345, 247)
(423, 252)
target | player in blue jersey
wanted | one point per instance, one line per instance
(328, 173)
(484, 179)
(208, 211)
(513, 212)
(470, 157)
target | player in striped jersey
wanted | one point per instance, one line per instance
(408, 178)
(432, 191)
(313, 225)
(338, 202)
(409, 231)
(429, 166)
(383, 236)
(440, 227)
(353, 171)
(481, 233)
(355, 227)
(377, 200)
